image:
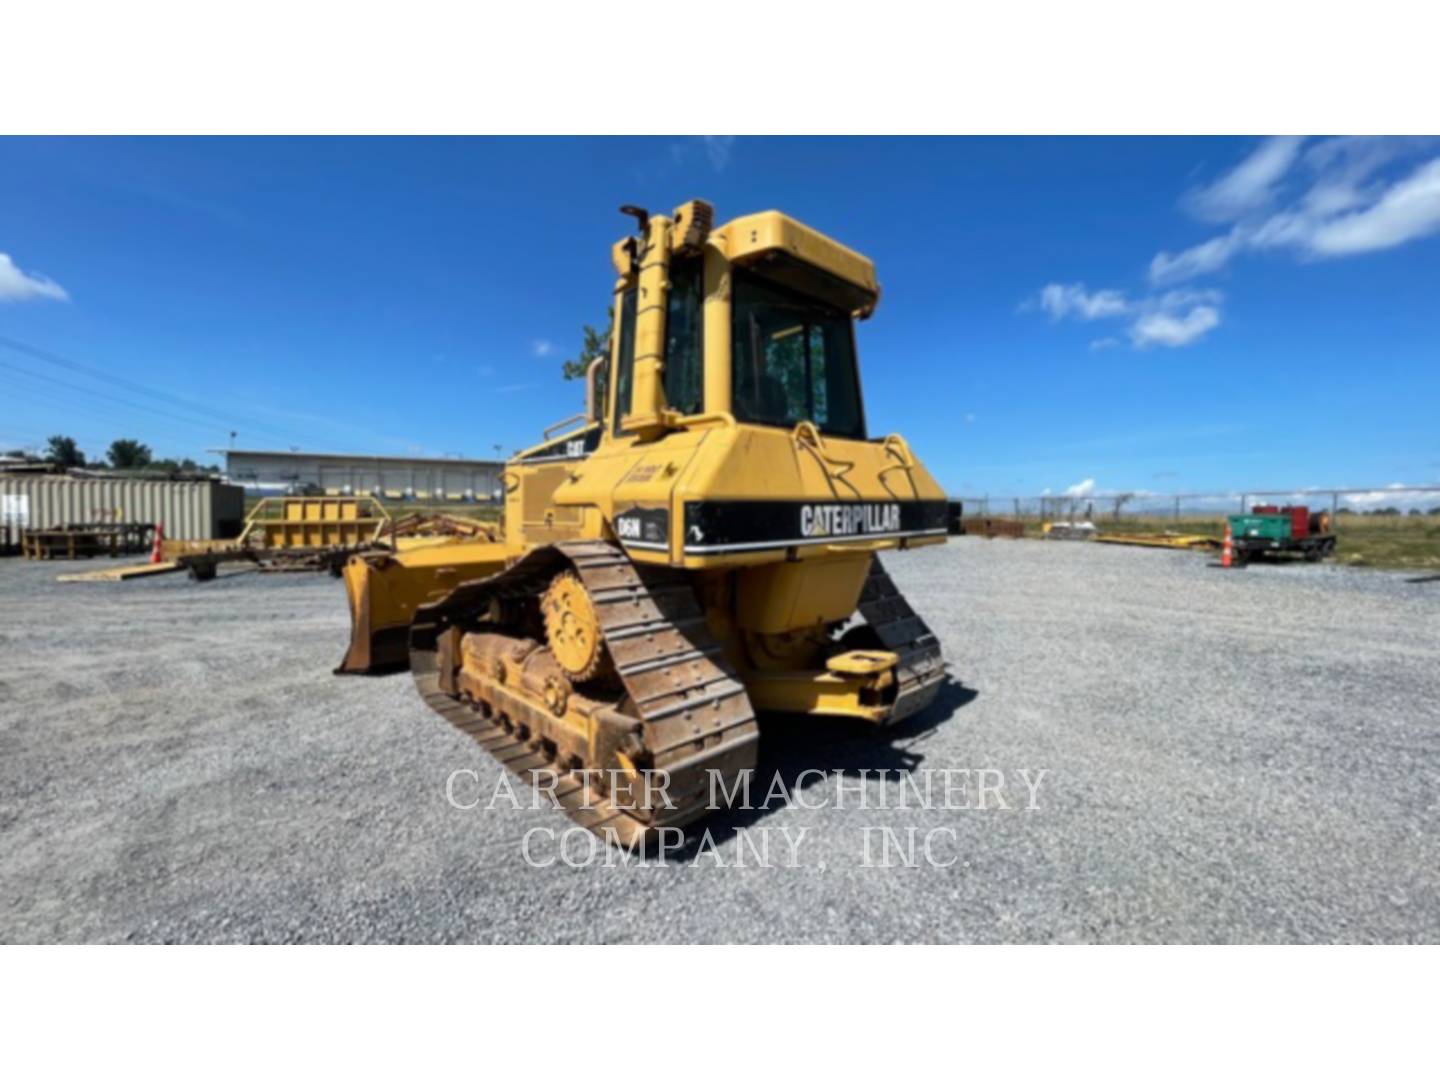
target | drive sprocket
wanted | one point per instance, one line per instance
(572, 628)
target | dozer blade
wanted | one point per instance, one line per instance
(384, 591)
(688, 710)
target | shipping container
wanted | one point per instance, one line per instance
(189, 509)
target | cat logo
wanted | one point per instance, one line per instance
(859, 519)
(575, 448)
(627, 528)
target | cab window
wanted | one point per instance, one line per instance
(625, 374)
(684, 385)
(794, 360)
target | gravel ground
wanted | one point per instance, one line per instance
(1245, 756)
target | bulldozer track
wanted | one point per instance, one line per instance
(694, 713)
(921, 670)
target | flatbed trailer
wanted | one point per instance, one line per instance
(1311, 548)
(203, 566)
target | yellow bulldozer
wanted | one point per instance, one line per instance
(693, 549)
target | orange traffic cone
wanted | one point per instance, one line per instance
(155, 555)
(1227, 551)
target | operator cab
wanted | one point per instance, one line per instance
(756, 323)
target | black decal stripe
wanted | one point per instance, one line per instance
(751, 525)
(644, 527)
(546, 453)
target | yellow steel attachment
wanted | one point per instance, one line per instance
(572, 628)
(862, 662)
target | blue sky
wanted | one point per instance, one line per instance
(1151, 314)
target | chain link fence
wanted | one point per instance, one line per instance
(1116, 507)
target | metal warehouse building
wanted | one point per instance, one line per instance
(278, 472)
(189, 509)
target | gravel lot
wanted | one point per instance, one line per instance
(1245, 756)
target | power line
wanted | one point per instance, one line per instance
(86, 411)
(230, 420)
(208, 425)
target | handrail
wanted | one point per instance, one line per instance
(896, 445)
(807, 435)
(677, 420)
(545, 435)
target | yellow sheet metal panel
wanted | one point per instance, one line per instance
(780, 596)
(647, 395)
(749, 239)
(717, 335)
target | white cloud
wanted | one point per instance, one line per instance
(1060, 301)
(1165, 328)
(1250, 185)
(541, 347)
(1083, 488)
(1347, 210)
(1407, 211)
(1174, 318)
(717, 149)
(1390, 495)
(1328, 198)
(1178, 298)
(16, 285)
(1203, 258)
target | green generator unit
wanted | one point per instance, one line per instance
(1276, 530)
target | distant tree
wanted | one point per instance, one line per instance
(128, 454)
(183, 465)
(596, 346)
(1415, 511)
(64, 452)
(1434, 511)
